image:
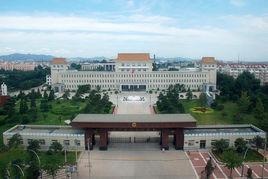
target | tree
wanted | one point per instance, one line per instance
(169, 102)
(203, 101)
(34, 145)
(23, 106)
(33, 103)
(82, 89)
(44, 105)
(249, 173)
(220, 145)
(45, 96)
(15, 141)
(51, 168)
(232, 160)
(38, 94)
(56, 147)
(25, 119)
(98, 88)
(259, 110)
(209, 168)
(240, 145)
(244, 103)
(9, 107)
(258, 141)
(66, 95)
(189, 94)
(51, 96)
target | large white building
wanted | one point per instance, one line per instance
(134, 72)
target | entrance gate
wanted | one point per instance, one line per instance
(133, 87)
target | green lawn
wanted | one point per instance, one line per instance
(252, 156)
(226, 116)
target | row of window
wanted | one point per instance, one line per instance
(115, 75)
(65, 142)
(136, 81)
(133, 64)
(112, 86)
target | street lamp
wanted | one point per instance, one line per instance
(262, 172)
(245, 154)
(19, 169)
(88, 154)
(39, 162)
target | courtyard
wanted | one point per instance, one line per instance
(131, 161)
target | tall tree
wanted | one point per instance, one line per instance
(51, 96)
(232, 160)
(189, 94)
(244, 103)
(44, 105)
(66, 95)
(23, 106)
(9, 107)
(45, 96)
(203, 101)
(259, 110)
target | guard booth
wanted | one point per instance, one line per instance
(166, 124)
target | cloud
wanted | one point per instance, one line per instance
(91, 36)
(238, 3)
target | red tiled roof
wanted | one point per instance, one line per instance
(133, 56)
(208, 60)
(59, 61)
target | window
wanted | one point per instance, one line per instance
(77, 142)
(191, 143)
(66, 142)
(42, 142)
(29, 141)
(52, 141)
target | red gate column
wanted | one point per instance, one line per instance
(179, 139)
(164, 139)
(103, 140)
(89, 139)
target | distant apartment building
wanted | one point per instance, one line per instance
(260, 71)
(98, 66)
(134, 72)
(23, 66)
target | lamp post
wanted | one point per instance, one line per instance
(39, 162)
(88, 154)
(245, 154)
(19, 169)
(262, 172)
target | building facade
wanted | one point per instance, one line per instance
(134, 72)
(260, 71)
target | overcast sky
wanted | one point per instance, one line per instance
(225, 29)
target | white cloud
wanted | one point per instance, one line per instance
(238, 3)
(81, 36)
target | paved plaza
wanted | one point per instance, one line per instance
(135, 162)
(133, 107)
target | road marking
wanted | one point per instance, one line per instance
(237, 172)
(206, 163)
(192, 165)
(264, 168)
(218, 166)
(253, 172)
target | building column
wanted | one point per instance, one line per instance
(89, 133)
(179, 140)
(164, 139)
(103, 139)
